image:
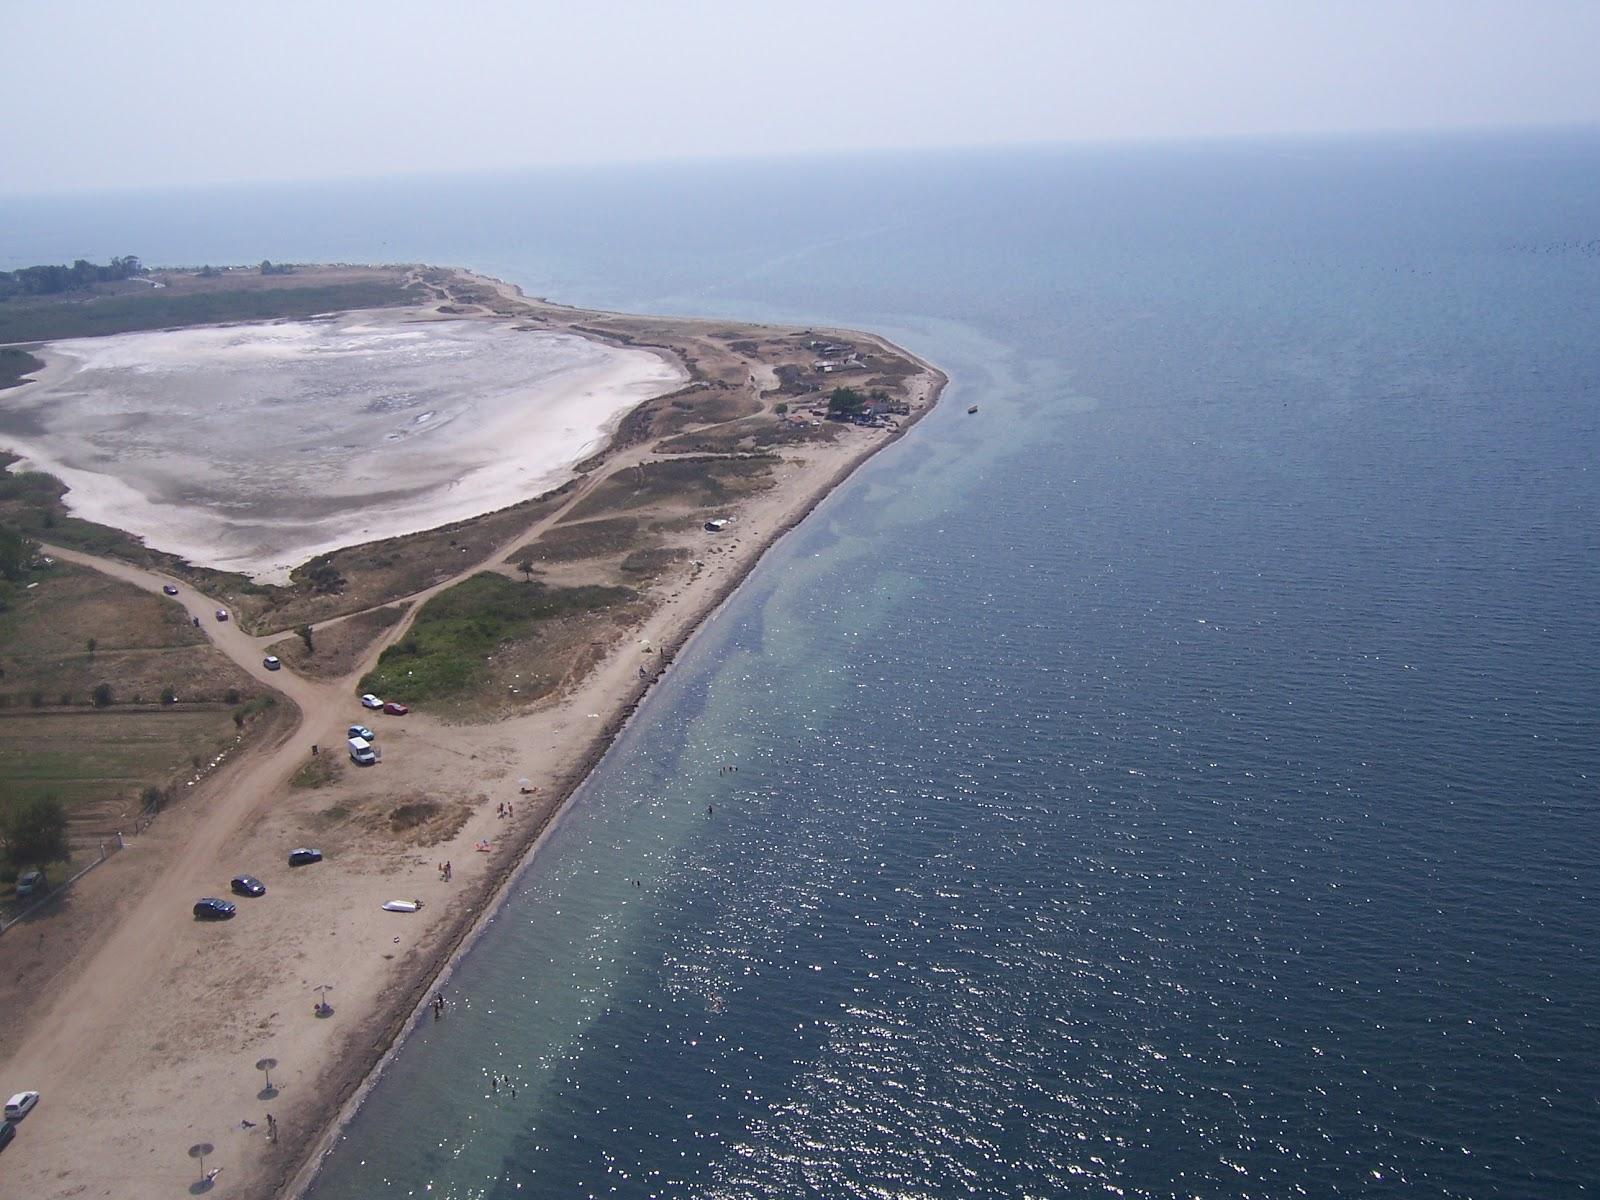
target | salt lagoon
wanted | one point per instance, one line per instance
(255, 447)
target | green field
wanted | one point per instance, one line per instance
(444, 654)
(98, 763)
(95, 316)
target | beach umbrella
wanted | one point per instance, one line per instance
(199, 1150)
(265, 1065)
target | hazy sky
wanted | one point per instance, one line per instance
(125, 93)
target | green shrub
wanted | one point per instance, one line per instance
(444, 651)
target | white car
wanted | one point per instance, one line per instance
(21, 1105)
(371, 701)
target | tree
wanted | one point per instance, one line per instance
(526, 567)
(35, 832)
(91, 645)
(102, 695)
(16, 552)
(305, 633)
(324, 576)
(845, 402)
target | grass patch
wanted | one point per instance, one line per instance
(574, 543)
(409, 816)
(319, 771)
(98, 763)
(691, 482)
(445, 653)
(650, 562)
(79, 629)
(337, 648)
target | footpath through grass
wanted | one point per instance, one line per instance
(445, 653)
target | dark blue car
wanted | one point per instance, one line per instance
(247, 885)
(300, 858)
(212, 909)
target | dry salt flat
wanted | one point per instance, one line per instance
(255, 447)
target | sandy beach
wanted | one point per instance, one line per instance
(149, 1035)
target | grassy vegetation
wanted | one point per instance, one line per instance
(649, 562)
(577, 542)
(16, 365)
(445, 653)
(78, 633)
(39, 321)
(104, 760)
(319, 771)
(693, 482)
(337, 649)
(77, 629)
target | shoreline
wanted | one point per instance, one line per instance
(144, 1076)
(475, 919)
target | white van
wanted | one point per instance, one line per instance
(361, 752)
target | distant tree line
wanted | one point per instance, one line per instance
(51, 280)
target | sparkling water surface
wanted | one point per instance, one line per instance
(1177, 779)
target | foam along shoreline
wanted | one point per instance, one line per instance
(428, 422)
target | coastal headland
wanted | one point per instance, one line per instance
(521, 639)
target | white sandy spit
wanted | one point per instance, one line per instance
(255, 447)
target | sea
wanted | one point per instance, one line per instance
(1177, 778)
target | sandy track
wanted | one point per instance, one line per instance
(69, 1041)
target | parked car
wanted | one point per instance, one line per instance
(21, 1105)
(29, 882)
(222, 614)
(247, 885)
(304, 857)
(362, 732)
(7, 1132)
(272, 662)
(371, 701)
(395, 709)
(170, 589)
(213, 909)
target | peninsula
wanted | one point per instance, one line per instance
(510, 626)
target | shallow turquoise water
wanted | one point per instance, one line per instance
(1178, 779)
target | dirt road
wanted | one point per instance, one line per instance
(89, 1012)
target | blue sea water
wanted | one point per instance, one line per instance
(1178, 779)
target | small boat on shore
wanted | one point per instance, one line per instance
(972, 409)
(406, 906)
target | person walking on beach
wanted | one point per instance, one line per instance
(272, 1128)
(447, 870)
